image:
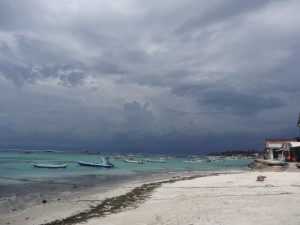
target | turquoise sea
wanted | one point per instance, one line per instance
(18, 176)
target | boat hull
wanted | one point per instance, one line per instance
(155, 161)
(133, 161)
(91, 164)
(49, 166)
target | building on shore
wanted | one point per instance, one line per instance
(288, 147)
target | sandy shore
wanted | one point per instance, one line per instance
(224, 199)
(236, 198)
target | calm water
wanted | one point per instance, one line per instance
(18, 176)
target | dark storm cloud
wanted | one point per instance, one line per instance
(223, 98)
(138, 74)
(238, 103)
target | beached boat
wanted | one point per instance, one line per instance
(49, 166)
(105, 163)
(133, 161)
(155, 161)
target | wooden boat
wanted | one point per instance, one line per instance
(104, 164)
(49, 166)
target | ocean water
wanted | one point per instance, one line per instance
(19, 177)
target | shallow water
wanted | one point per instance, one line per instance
(19, 177)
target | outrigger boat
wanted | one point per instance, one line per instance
(105, 163)
(49, 166)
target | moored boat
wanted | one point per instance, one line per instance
(156, 161)
(133, 161)
(105, 163)
(195, 161)
(49, 166)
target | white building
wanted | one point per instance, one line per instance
(290, 147)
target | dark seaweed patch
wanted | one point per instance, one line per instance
(120, 203)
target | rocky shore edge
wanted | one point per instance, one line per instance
(274, 166)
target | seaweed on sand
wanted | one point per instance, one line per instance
(129, 200)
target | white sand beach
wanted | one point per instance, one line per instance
(224, 199)
(236, 198)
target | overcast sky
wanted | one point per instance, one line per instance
(176, 76)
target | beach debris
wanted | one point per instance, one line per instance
(260, 178)
(44, 201)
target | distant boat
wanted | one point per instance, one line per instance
(105, 163)
(133, 161)
(215, 159)
(231, 158)
(119, 157)
(195, 161)
(155, 161)
(49, 166)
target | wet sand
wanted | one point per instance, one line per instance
(39, 203)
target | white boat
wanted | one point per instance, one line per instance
(231, 158)
(49, 166)
(216, 159)
(133, 161)
(195, 161)
(156, 161)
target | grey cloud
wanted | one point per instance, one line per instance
(167, 75)
(109, 68)
(138, 117)
(18, 74)
(221, 12)
(6, 54)
(41, 52)
(238, 103)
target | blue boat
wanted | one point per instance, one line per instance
(105, 163)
